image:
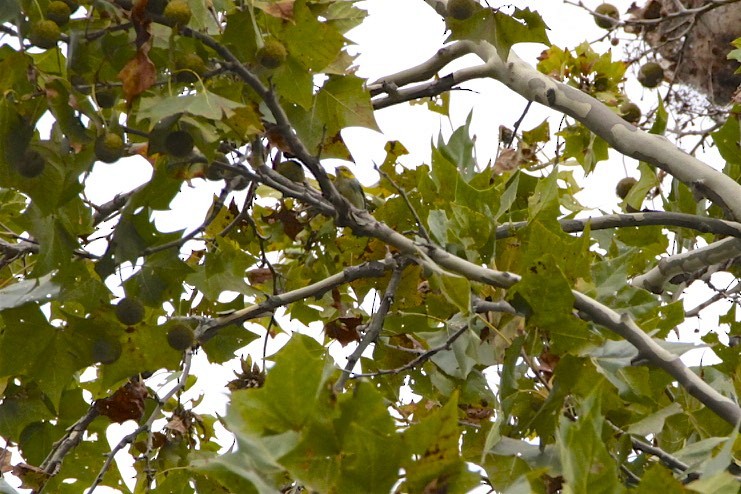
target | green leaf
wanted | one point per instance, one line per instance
(523, 26)
(726, 139)
(720, 483)
(292, 388)
(658, 478)
(455, 289)
(587, 465)
(434, 442)
(662, 117)
(313, 43)
(460, 148)
(22, 405)
(500, 29)
(204, 104)
(9, 11)
(28, 290)
(546, 291)
(370, 449)
(30, 346)
(654, 423)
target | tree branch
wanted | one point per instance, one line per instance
(422, 72)
(686, 262)
(374, 328)
(129, 438)
(600, 119)
(373, 269)
(648, 218)
(53, 462)
(420, 359)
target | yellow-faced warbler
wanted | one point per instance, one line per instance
(349, 187)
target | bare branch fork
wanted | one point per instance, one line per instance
(374, 328)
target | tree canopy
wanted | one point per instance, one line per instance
(487, 329)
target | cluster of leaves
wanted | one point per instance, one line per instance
(224, 94)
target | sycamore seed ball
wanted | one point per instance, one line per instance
(272, 54)
(188, 67)
(72, 4)
(180, 337)
(214, 171)
(650, 74)
(292, 170)
(109, 147)
(45, 34)
(609, 10)
(460, 9)
(129, 311)
(624, 186)
(630, 112)
(106, 351)
(156, 6)
(177, 12)
(58, 12)
(240, 182)
(31, 164)
(179, 143)
(106, 98)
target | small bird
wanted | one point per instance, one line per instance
(349, 187)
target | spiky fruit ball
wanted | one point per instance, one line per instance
(73, 5)
(31, 164)
(129, 311)
(607, 10)
(630, 112)
(179, 143)
(650, 74)
(178, 12)
(109, 147)
(58, 12)
(272, 54)
(106, 98)
(156, 6)
(240, 182)
(214, 171)
(460, 9)
(180, 337)
(292, 170)
(189, 67)
(45, 34)
(624, 186)
(106, 351)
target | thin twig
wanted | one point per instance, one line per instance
(129, 438)
(74, 434)
(417, 360)
(372, 269)
(374, 328)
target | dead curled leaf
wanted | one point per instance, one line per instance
(127, 403)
